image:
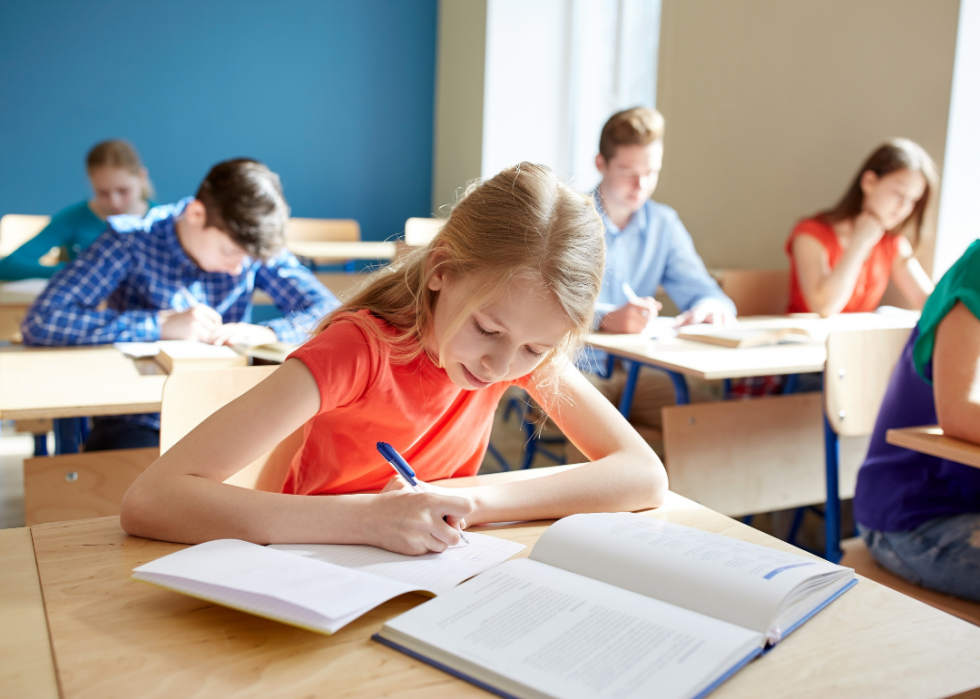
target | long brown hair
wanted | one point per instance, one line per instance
(118, 154)
(520, 224)
(895, 155)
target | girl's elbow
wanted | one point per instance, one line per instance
(134, 512)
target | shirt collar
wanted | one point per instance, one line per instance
(170, 235)
(637, 222)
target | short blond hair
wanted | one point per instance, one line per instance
(639, 126)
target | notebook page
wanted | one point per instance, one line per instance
(329, 590)
(725, 578)
(138, 350)
(434, 572)
(564, 635)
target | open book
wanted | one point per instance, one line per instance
(738, 337)
(320, 587)
(184, 354)
(618, 605)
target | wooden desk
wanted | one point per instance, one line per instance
(13, 308)
(709, 362)
(74, 382)
(339, 251)
(115, 637)
(931, 440)
(26, 665)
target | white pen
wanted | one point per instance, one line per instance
(630, 294)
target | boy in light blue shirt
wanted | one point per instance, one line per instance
(647, 247)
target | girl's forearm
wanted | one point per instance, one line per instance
(612, 484)
(190, 509)
(835, 290)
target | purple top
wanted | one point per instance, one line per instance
(898, 489)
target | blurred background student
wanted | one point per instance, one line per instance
(120, 185)
(842, 259)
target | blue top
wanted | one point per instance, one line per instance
(138, 268)
(654, 249)
(73, 228)
(898, 489)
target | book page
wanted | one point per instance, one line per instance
(138, 350)
(565, 635)
(434, 572)
(715, 575)
(187, 349)
(245, 570)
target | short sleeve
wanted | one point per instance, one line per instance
(961, 284)
(344, 361)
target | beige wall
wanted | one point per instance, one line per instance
(771, 105)
(459, 98)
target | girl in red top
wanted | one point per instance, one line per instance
(841, 259)
(419, 358)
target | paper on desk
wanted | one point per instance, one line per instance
(138, 350)
(28, 287)
(660, 327)
(435, 572)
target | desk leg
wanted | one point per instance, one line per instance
(832, 550)
(626, 402)
(681, 393)
(67, 435)
(40, 445)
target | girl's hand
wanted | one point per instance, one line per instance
(868, 229)
(411, 523)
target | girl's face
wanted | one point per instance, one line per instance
(503, 340)
(892, 197)
(117, 191)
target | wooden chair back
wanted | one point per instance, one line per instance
(190, 397)
(343, 230)
(757, 292)
(17, 229)
(421, 231)
(859, 367)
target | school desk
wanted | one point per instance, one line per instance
(931, 440)
(333, 252)
(71, 382)
(751, 456)
(115, 637)
(15, 299)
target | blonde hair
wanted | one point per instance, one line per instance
(522, 224)
(118, 154)
(639, 126)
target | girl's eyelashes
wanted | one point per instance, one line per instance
(482, 330)
(490, 333)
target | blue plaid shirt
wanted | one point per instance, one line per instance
(138, 268)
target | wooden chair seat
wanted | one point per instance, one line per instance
(858, 557)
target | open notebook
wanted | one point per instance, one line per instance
(317, 587)
(618, 605)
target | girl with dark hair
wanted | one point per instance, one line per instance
(842, 259)
(120, 185)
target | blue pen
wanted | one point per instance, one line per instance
(401, 467)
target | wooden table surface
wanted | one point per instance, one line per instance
(931, 440)
(708, 362)
(115, 637)
(339, 251)
(74, 382)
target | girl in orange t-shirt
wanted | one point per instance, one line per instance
(841, 259)
(419, 358)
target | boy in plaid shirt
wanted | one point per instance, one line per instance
(183, 272)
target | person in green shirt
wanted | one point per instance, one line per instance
(121, 186)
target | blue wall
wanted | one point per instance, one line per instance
(334, 95)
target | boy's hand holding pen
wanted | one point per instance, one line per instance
(407, 474)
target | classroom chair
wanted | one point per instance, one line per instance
(421, 231)
(341, 230)
(81, 486)
(859, 367)
(190, 397)
(17, 229)
(757, 292)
